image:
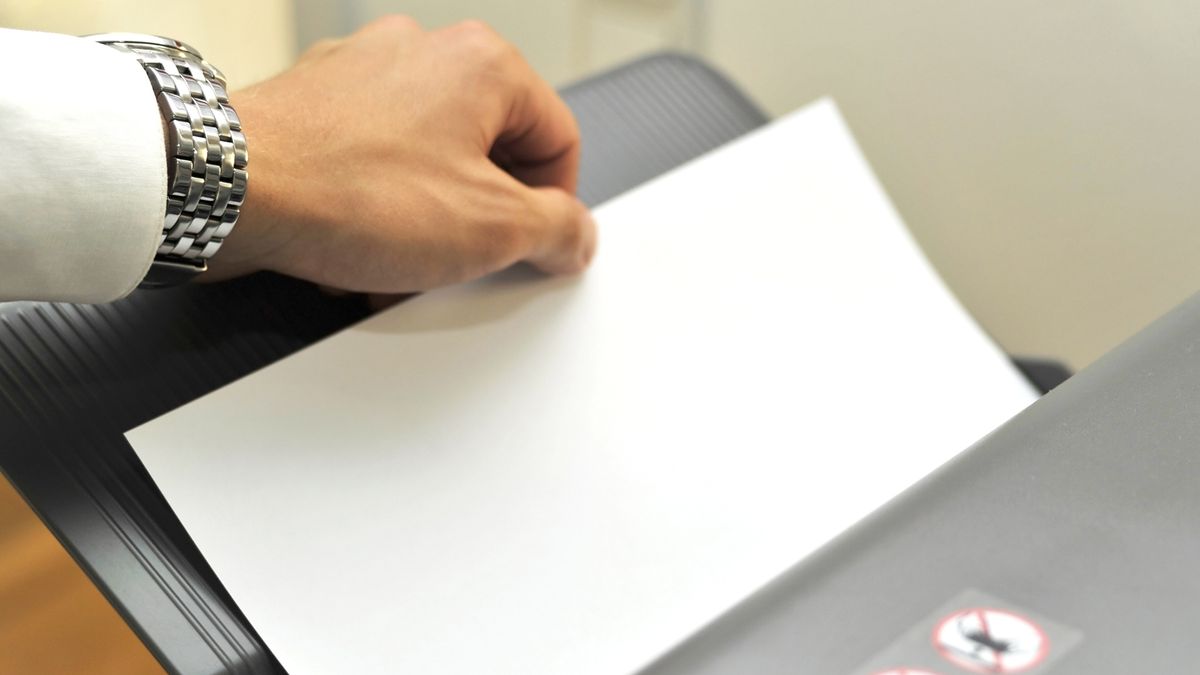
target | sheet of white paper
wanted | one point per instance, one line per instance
(527, 475)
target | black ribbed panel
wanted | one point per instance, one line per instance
(647, 118)
(74, 378)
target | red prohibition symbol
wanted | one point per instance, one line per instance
(990, 640)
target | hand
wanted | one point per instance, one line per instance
(398, 160)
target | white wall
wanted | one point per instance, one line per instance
(563, 39)
(257, 44)
(1047, 154)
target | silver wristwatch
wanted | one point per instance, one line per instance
(206, 165)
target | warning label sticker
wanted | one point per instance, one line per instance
(990, 640)
(975, 632)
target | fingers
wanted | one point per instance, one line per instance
(541, 138)
(532, 132)
(562, 229)
(470, 103)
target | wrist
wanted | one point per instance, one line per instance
(206, 154)
(258, 241)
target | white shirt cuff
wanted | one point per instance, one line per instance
(83, 176)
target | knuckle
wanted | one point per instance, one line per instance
(394, 22)
(320, 48)
(475, 28)
(482, 43)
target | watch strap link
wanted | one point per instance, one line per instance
(207, 175)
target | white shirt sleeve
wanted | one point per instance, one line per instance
(83, 176)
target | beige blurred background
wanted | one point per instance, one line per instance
(1045, 155)
(1042, 152)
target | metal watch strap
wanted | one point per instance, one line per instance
(207, 154)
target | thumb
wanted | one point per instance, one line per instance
(564, 232)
